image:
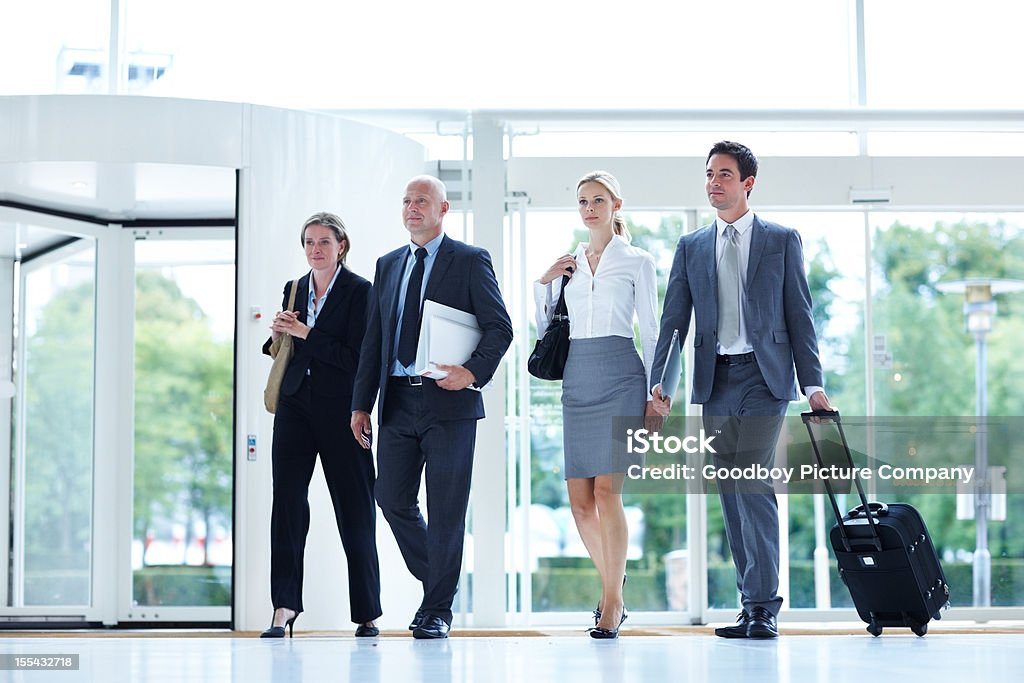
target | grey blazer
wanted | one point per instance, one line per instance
(776, 308)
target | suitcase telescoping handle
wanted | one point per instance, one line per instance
(872, 508)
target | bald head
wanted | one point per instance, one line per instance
(429, 181)
(423, 208)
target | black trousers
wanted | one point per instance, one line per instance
(306, 425)
(413, 439)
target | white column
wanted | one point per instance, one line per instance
(489, 490)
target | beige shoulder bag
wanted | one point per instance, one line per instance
(281, 351)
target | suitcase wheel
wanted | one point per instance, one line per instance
(874, 629)
(919, 629)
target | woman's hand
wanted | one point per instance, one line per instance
(287, 322)
(653, 420)
(563, 266)
(660, 404)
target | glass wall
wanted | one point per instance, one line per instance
(58, 46)
(917, 54)
(184, 377)
(916, 354)
(924, 365)
(218, 51)
(922, 54)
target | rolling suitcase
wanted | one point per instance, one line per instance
(886, 557)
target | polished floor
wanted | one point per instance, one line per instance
(567, 657)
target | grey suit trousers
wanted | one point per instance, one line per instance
(746, 419)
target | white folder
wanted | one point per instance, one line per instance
(448, 336)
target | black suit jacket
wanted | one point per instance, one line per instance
(331, 350)
(462, 277)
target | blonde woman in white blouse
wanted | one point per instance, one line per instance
(610, 281)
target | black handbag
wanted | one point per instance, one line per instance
(551, 351)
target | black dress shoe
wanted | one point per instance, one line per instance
(432, 627)
(737, 631)
(417, 620)
(367, 631)
(762, 624)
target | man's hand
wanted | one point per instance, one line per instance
(819, 401)
(361, 429)
(458, 377)
(661, 405)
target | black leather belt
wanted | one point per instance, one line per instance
(735, 359)
(405, 381)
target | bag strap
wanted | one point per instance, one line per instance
(561, 309)
(291, 296)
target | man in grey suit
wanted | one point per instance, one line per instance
(743, 280)
(427, 425)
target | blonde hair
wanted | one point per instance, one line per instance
(609, 182)
(333, 223)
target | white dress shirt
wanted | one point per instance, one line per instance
(743, 226)
(602, 304)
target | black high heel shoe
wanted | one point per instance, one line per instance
(609, 633)
(597, 610)
(278, 631)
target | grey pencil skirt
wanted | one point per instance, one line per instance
(603, 393)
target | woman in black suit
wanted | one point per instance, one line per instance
(327, 327)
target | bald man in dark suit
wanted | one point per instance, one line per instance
(426, 424)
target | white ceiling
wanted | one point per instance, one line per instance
(119, 192)
(109, 191)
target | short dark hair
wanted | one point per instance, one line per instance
(745, 159)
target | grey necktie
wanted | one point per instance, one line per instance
(729, 289)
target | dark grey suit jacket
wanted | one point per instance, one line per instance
(462, 277)
(776, 309)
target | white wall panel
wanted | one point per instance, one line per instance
(104, 128)
(938, 183)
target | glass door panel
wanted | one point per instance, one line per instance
(183, 421)
(52, 477)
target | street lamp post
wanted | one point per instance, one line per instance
(980, 314)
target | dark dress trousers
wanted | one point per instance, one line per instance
(427, 427)
(313, 418)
